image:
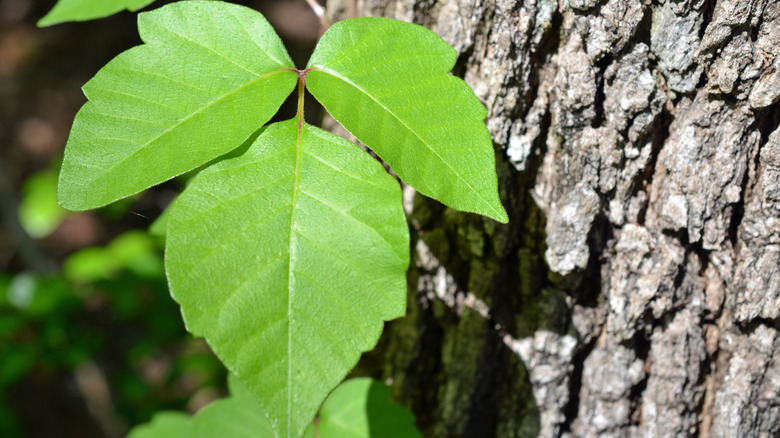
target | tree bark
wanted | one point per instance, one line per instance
(636, 289)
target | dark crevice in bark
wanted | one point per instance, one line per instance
(482, 400)
(538, 151)
(759, 12)
(729, 99)
(485, 396)
(643, 32)
(749, 327)
(548, 46)
(644, 179)
(707, 368)
(701, 84)
(690, 247)
(642, 348)
(586, 285)
(766, 122)
(586, 292)
(754, 31)
(598, 104)
(738, 209)
(462, 61)
(422, 378)
(572, 407)
(707, 10)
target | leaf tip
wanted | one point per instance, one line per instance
(44, 22)
(66, 201)
(67, 204)
(501, 216)
(51, 18)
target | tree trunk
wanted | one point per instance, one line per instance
(636, 289)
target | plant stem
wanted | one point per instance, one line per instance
(301, 88)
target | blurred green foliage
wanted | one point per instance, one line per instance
(109, 305)
(39, 213)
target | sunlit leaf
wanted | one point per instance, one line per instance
(209, 75)
(386, 81)
(288, 259)
(361, 408)
(83, 10)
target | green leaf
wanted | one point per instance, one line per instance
(386, 82)
(39, 213)
(159, 227)
(164, 425)
(83, 10)
(361, 408)
(89, 265)
(236, 416)
(288, 259)
(209, 75)
(136, 251)
(232, 417)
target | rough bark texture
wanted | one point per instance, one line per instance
(636, 289)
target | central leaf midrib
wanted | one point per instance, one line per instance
(427, 145)
(290, 271)
(184, 120)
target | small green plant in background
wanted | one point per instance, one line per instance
(289, 251)
(108, 306)
(358, 408)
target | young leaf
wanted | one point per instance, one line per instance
(164, 425)
(83, 10)
(238, 416)
(361, 408)
(209, 75)
(386, 82)
(287, 259)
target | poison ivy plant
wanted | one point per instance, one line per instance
(209, 75)
(82, 10)
(308, 263)
(358, 408)
(361, 408)
(386, 82)
(289, 253)
(164, 425)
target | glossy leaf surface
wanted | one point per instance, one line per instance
(288, 259)
(209, 75)
(386, 82)
(83, 10)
